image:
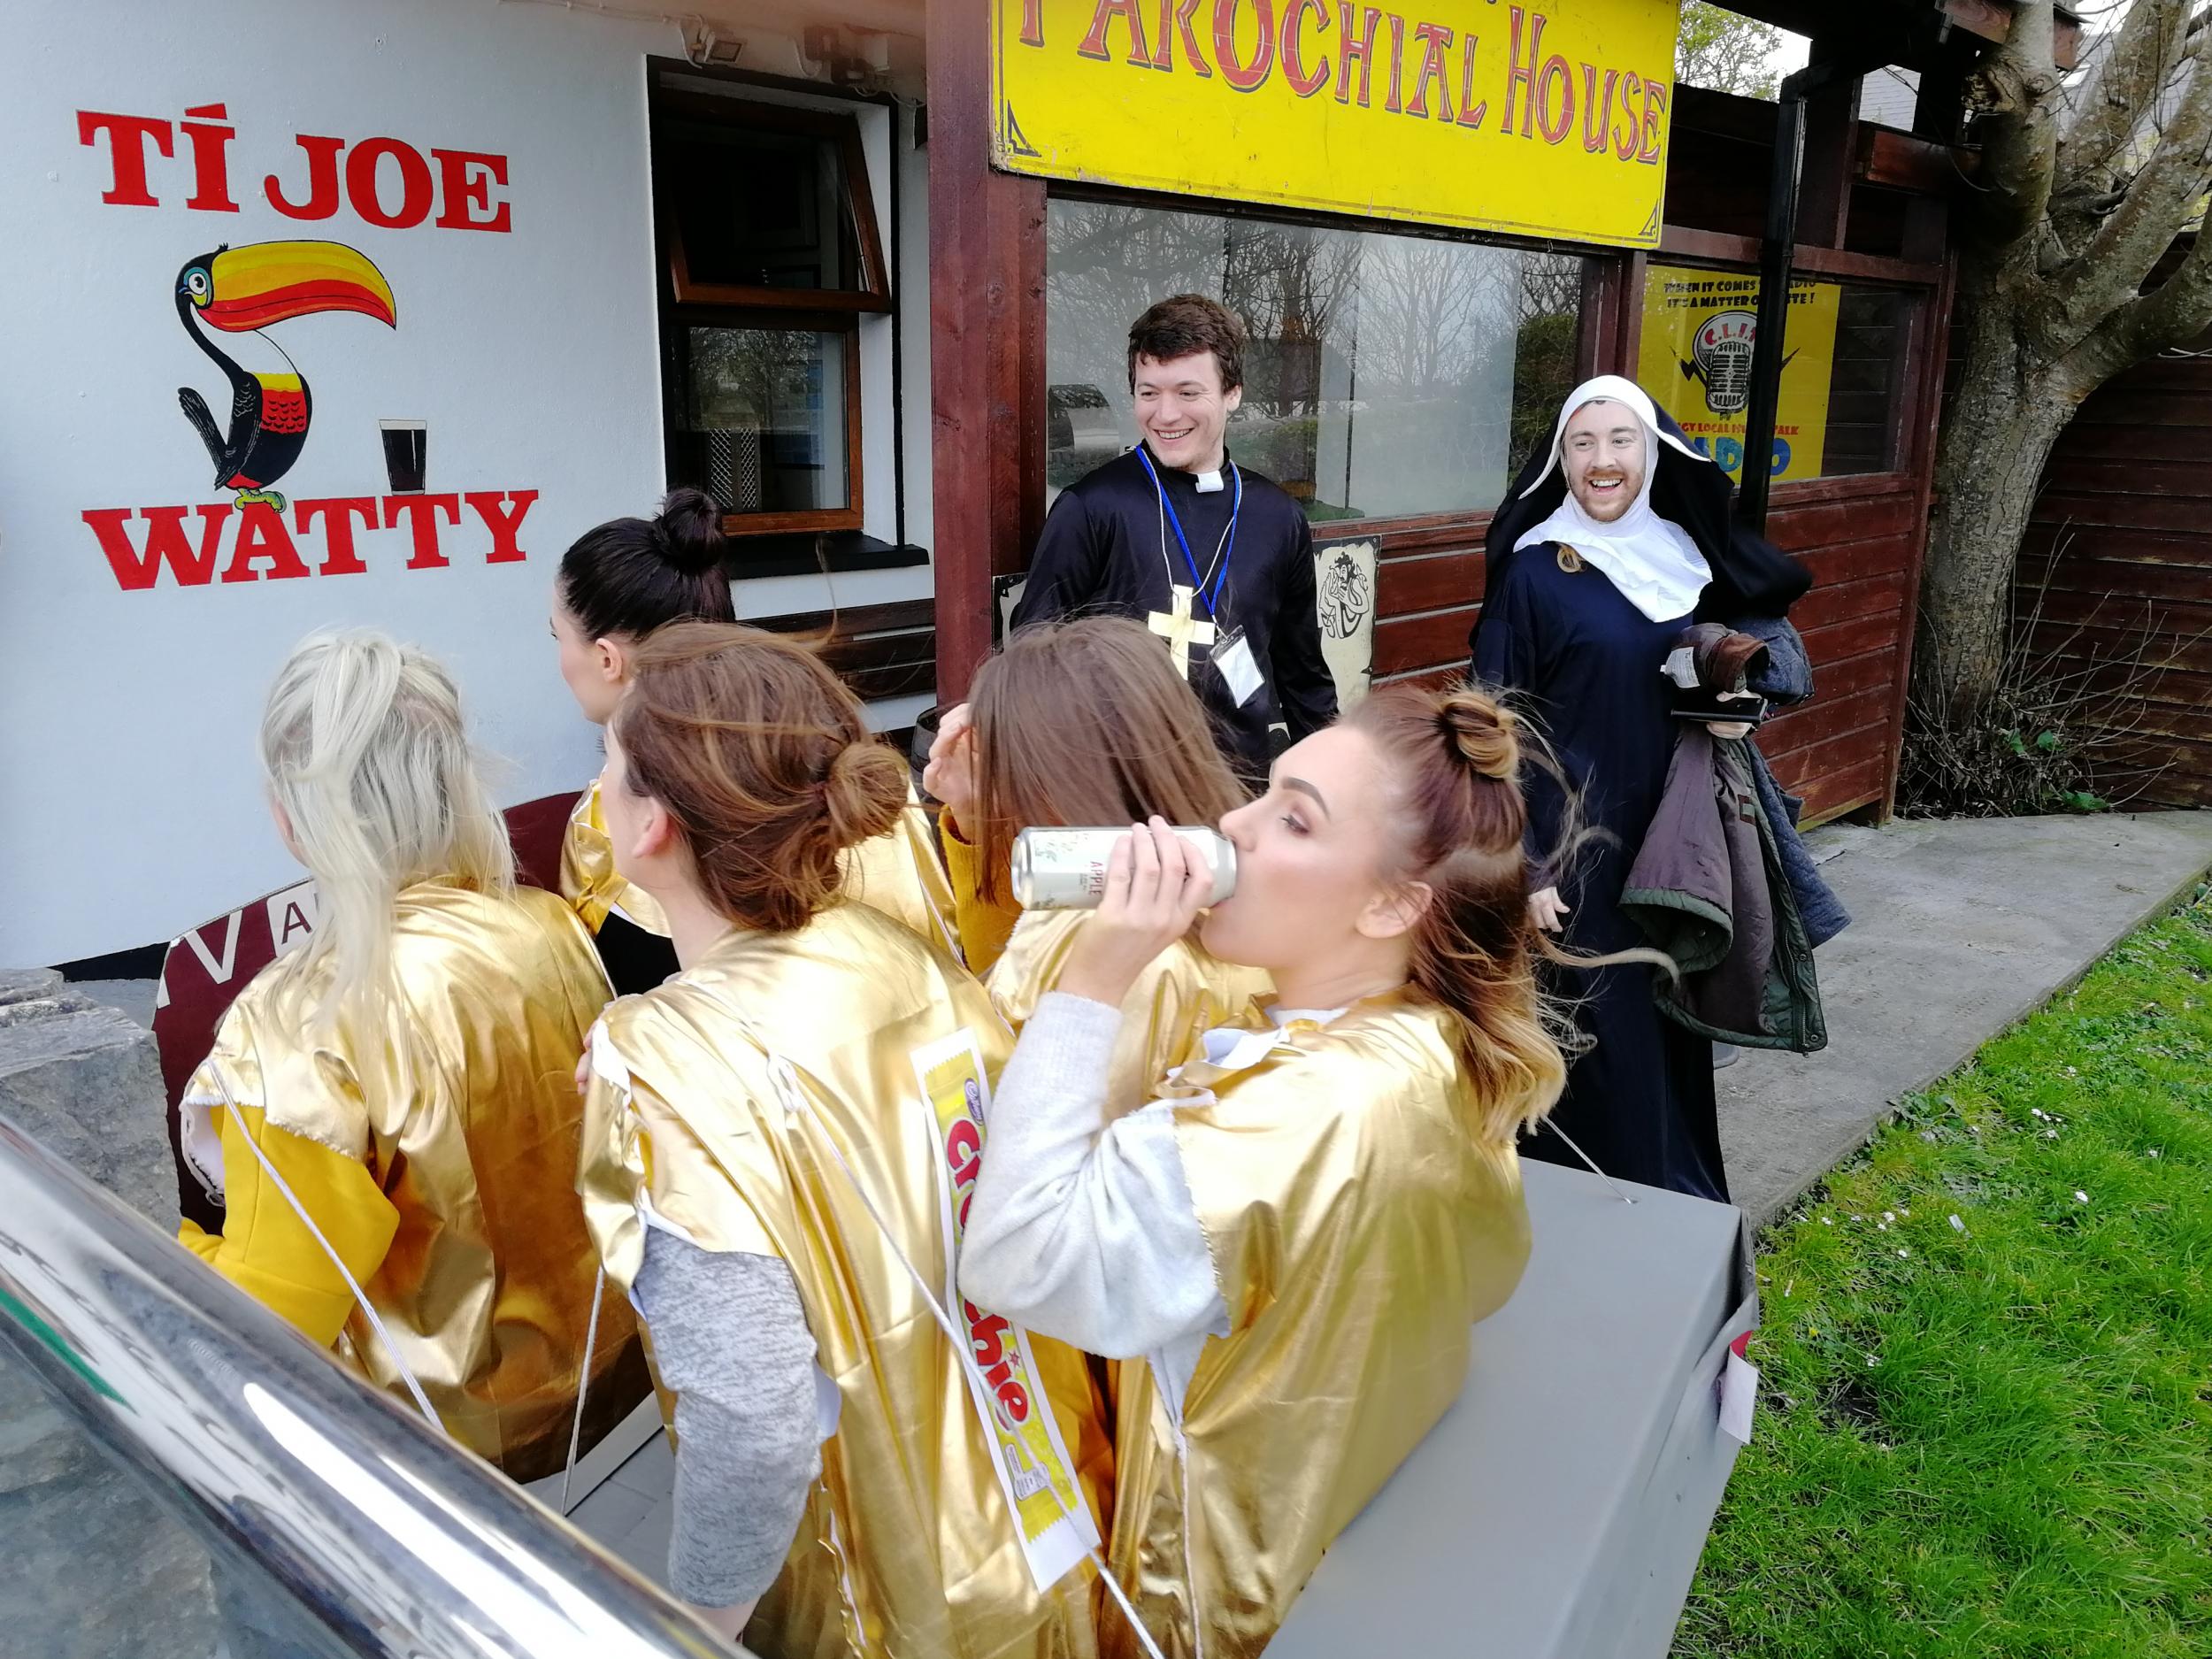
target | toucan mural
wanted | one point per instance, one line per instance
(242, 290)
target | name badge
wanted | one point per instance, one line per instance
(1232, 655)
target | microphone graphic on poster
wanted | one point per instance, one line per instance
(406, 454)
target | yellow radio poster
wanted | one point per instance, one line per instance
(1541, 120)
(1695, 361)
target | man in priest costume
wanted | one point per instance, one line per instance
(1213, 557)
(1613, 540)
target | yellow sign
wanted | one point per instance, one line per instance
(1695, 361)
(1544, 120)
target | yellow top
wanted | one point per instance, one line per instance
(590, 882)
(984, 925)
(898, 873)
(1356, 1230)
(445, 1182)
(762, 1101)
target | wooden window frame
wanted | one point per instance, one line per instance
(871, 293)
(849, 517)
(686, 305)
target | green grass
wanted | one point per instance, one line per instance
(1996, 1439)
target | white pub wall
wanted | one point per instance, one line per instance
(529, 351)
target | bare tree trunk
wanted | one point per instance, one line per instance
(2078, 200)
(2008, 404)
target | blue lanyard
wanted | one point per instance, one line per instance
(1226, 551)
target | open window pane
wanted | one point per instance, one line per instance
(1385, 375)
(764, 427)
(757, 209)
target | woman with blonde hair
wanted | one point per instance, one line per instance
(1084, 722)
(392, 1105)
(619, 582)
(778, 1148)
(1297, 1230)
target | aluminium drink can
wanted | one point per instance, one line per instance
(1065, 869)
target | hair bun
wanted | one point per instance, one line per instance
(690, 528)
(863, 792)
(1483, 731)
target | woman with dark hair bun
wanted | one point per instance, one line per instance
(616, 584)
(624, 579)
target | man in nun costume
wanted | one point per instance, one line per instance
(1611, 541)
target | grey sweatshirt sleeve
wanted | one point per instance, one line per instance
(731, 1339)
(1084, 1230)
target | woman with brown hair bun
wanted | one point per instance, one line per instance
(778, 1148)
(1085, 723)
(1297, 1230)
(619, 582)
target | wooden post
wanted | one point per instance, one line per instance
(1612, 315)
(1832, 125)
(986, 340)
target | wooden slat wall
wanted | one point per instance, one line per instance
(1836, 750)
(2123, 531)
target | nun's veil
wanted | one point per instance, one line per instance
(1751, 576)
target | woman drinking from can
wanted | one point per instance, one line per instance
(616, 584)
(1299, 1228)
(1086, 723)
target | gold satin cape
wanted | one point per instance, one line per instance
(1357, 1231)
(1183, 993)
(447, 1179)
(908, 1544)
(898, 873)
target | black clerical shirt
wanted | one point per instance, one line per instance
(1101, 553)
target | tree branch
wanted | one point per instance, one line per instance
(2177, 309)
(2182, 306)
(2124, 85)
(2143, 228)
(2019, 150)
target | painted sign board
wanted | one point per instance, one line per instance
(1534, 119)
(1695, 359)
(1344, 593)
(323, 315)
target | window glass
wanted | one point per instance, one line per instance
(1385, 375)
(1866, 391)
(763, 427)
(757, 209)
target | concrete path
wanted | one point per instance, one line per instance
(1958, 928)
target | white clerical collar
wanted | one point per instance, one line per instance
(1204, 483)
